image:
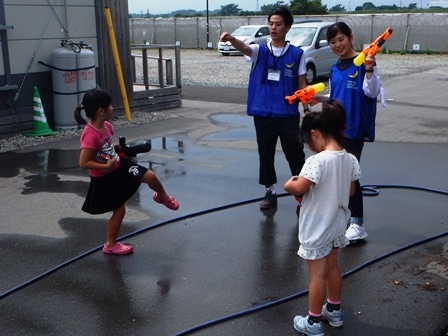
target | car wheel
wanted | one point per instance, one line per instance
(225, 54)
(310, 73)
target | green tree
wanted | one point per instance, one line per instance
(230, 9)
(267, 9)
(368, 6)
(308, 7)
(337, 8)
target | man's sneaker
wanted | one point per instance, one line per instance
(301, 325)
(269, 201)
(355, 232)
(335, 318)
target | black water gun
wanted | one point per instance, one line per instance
(131, 150)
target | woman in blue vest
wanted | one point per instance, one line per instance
(357, 88)
(278, 70)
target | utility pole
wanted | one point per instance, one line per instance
(208, 31)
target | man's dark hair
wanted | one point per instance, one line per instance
(285, 13)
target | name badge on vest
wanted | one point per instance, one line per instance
(274, 75)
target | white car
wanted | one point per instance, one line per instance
(311, 36)
(251, 34)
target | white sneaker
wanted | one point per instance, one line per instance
(355, 232)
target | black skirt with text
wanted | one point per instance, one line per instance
(109, 192)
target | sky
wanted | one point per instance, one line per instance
(168, 6)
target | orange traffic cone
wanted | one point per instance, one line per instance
(41, 127)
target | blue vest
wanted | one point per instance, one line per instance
(266, 98)
(346, 87)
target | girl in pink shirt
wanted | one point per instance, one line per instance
(113, 180)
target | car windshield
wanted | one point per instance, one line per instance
(301, 36)
(244, 31)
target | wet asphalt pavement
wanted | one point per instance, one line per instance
(219, 265)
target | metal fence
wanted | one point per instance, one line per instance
(423, 32)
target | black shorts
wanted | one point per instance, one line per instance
(109, 192)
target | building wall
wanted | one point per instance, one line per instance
(37, 28)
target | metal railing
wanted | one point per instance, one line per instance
(168, 71)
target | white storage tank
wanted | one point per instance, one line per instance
(85, 65)
(73, 73)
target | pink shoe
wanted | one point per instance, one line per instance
(118, 248)
(170, 203)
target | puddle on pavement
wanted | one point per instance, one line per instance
(41, 162)
(47, 170)
(240, 127)
(164, 144)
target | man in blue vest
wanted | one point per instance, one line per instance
(278, 70)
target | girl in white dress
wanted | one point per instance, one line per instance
(326, 181)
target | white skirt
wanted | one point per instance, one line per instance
(321, 252)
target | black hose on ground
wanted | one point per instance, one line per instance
(305, 292)
(368, 190)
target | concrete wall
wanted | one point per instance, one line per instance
(428, 30)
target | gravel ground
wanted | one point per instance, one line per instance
(209, 68)
(20, 141)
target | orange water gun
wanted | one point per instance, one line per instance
(306, 95)
(373, 48)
